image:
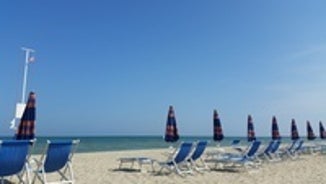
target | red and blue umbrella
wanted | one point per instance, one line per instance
(310, 132)
(26, 128)
(251, 131)
(218, 132)
(171, 131)
(322, 131)
(275, 131)
(294, 131)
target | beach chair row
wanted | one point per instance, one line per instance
(192, 157)
(185, 159)
(255, 154)
(15, 160)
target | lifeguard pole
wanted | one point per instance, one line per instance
(27, 61)
(21, 106)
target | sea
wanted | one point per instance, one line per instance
(121, 143)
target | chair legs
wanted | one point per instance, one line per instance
(177, 168)
(202, 167)
(64, 177)
(41, 175)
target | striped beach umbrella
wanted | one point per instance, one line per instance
(251, 131)
(26, 128)
(294, 131)
(275, 131)
(218, 131)
(322, 132)
(171, 131)
(310, 132)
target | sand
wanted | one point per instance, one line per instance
(102, 168)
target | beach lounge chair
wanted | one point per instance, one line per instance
(286, 151)
(14, 159)
(249, 159)
(266, 152)
(272, 155)
(197, 154)
(235, 144)
(219, 150)
(293, 150)
(179, 161)
(139, 160)
(296, 150)
(310, 147)
(57, 158)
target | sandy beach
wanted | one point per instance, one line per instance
(102, 168)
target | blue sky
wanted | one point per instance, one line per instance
(114, 67)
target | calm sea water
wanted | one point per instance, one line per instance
(117, 143)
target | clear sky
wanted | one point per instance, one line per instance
(113, 67)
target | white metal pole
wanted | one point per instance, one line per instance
(27, 56)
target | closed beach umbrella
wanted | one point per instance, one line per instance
(322, 131)
(218, 132)
(26, 128)
(275, 131)
(251, 131)
(310, 132)
(171, 131)
(294, 131)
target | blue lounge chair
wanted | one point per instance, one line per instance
(179, 160)
(294, 149)
(266, 152)
(248, 159)
(197, 156)
(287, 151)
(235, 144)
(57, 157)
(273, 154)
(14, 159)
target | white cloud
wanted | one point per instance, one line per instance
(314, 52)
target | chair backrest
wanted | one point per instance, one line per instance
(13, 154)
(253, 149)
(292, 145)
(275, 146)
(199, 150)
(58, 154)
(269, 147)
(235, 142)
(299, 146)
(183, 153)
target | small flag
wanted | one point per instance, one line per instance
(31, 59)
